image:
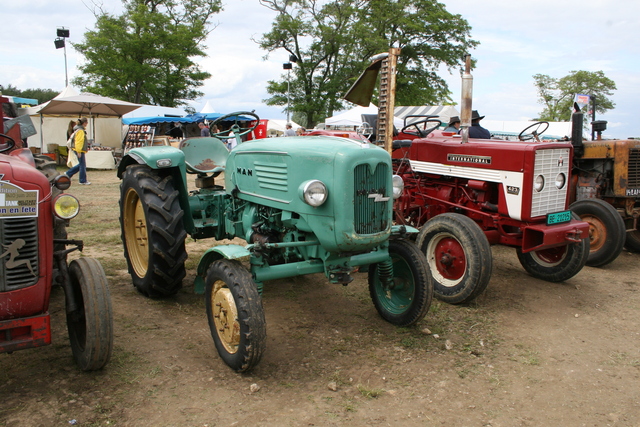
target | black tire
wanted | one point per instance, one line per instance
(48, 168)
(556, 264)
(409, 299)
(632, 241)
(459, 257)
(234, 304)
(607, 231)
(152, 231)
(91, 325)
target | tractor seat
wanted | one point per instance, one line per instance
(204, 155)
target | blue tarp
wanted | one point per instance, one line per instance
(192, 118)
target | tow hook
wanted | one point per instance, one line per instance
(573, 236)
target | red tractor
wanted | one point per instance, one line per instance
(467, 194)
(34, 213)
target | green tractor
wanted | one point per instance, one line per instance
(303, 205)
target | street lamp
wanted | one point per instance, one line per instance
(288, 66)
(62, 34)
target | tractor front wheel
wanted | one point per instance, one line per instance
(556, 264)
(90, 326)
(235, 315)
(607, 231)
(152, 231)
(405, 299)
(459, 256)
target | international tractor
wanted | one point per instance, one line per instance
(301, 205)
(605, 191)
(34, 213)
(467, 194)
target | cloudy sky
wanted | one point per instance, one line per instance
(517, 40)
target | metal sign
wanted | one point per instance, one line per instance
(16, 202)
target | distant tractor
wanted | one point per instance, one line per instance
(605, 191)
(34, 213)
(467, 194)
(303, 204)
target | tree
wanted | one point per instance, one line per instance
(146, 54)
(334, 40)
(557, 95)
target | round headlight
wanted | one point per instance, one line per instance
(538, 183)
(561, 179)
(66, 206)
(398, 186)
(315, 193)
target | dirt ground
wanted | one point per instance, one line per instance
(526, 353)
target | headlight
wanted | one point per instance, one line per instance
(538, 183)
(561, 179)
(66, 206)
(314, 193)
(398, 186)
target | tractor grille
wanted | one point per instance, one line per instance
(272, 176)
(371, 214)
(634, 168)
(550, 163)
(18, 275)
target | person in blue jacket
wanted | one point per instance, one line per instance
(477, 131)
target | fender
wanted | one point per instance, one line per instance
(212, 255)
(156, 157)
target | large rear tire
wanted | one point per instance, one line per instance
(556, 264)
(235, 315)
(152, 231)
(459, 257)
(632, 241)
(409, 298)
(607, 231)
(90, 326)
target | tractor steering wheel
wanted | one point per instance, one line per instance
(6, 145)
(533, 133)
(235, 127)
(422, 132)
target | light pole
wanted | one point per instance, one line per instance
(288, 66)
(62, 34)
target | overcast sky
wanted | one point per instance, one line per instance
(517, 40)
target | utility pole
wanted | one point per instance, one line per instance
(62, 34)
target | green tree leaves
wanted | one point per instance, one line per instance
(557, 94)
(146, 54)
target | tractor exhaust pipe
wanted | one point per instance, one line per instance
(576, 131)
(467, 96)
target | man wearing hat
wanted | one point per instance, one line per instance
(477, 131)
(454, 125)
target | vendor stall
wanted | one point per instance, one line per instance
(100, 159)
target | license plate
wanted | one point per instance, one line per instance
(558, 217)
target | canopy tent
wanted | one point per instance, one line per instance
(353, 117)
(208, 108)
(277, 126)
(88, 104)
(505, 128)
(155, 110)
(155, 119)
(444, 112)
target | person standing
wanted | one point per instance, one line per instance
(204, 129)
(477, 131)
(454, 125)
(289, 131)
(80, 146)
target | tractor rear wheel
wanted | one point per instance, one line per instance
(235, 315)
(90, 326)
(459, 256)
(152, 231)
(607, 231)
(556, 264)
(632, 241)
(408, 299)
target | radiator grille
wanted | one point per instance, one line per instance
(19, 275)
(634, 168)
(550, 163)
(272, 176)
(371, 214)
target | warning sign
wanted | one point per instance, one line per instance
(16, 202)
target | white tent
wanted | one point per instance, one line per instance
(276, 127)
(208, 108)
(444, 112)
(353, 117)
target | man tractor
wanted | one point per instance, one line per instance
(467, 194)
(303, 205)
(34, 213)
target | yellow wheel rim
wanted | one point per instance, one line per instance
(225, 316)
(135, 232)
